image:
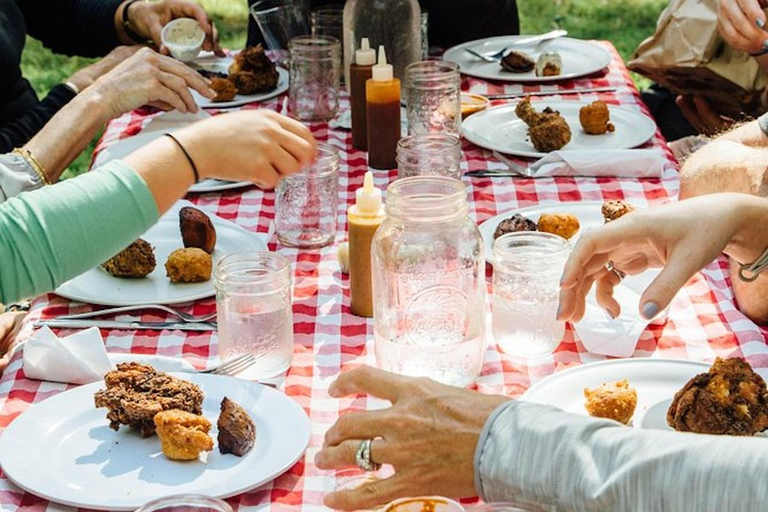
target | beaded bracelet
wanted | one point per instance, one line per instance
(755, 268)
(33, 162)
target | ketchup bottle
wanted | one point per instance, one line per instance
(382, 96)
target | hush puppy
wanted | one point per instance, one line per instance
(613, 400)
(183, 436)
(189, 265)
(595, 118)
(562, 224)
(613, 210)
(225, 89)
(136, 260)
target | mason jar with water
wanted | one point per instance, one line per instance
(429, 283)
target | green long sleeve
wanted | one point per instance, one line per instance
(53, 234)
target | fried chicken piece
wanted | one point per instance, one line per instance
(252, 72)
(525, 111)
(517, 62)
(550, 133)
(237, 432)
(562, 224)
(189, 265)
(514, 224)
(729, 399)
(136, 260)
(613, 210)
(595, 118)
(197, 229)
(225, 89)
(136, 393)
(183, 435)
(612, 400)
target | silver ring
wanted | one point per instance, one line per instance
(618, 273)
(363, 457)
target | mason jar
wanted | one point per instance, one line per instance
(526, 286)
(433, 97)
(429, 283)
(433, 154)
(315, 75)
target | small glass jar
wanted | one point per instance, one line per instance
(429, 283)
(280, 21)
(433, 97)
(254, 311)
(315, 75)
(432, 154)
(307, 203)
(350, 479)
(526, 285)
(186, 503)
(328, 21)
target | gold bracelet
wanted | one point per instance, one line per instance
(32, 161)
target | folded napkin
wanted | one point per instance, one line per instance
(81, 358)
(621, 163)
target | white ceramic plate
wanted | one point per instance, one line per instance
(499, 129)
(656, 382)
(99, 287)
(579, 58)
(210, 62)
(63, 450)
(125, 147)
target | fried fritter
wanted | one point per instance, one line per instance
(729, 399)
(549, 130)
(136, 260)
(612, 400)
(197, 229)
(225, 89)
(237, 432)
(183, 436)
(595, 118)
(549, 64)
(252, 72)
(517, 62)
(189, 265)
(613, 210)
(563, 224)
(136, 393)
(514, 224)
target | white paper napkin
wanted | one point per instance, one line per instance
(622, 163)
(81, 358)
(173, 120)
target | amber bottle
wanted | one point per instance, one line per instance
(382, 96)
(359, 73)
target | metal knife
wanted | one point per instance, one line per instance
(561, 92)
(128, 325)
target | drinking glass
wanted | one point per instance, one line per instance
(433, 97)
(432, 154)
(253, 306)
(315, 75)
(306, 204)
(349, 479)
(526, 283)
(328, 21)
(424, 34)
(186, 503)
(279, 22)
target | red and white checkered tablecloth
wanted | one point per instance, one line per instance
(703, 322)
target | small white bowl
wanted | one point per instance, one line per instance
(184, 38)
(437, 503)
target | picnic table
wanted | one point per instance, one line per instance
(703, 322)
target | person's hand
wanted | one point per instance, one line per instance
(702, 116)
(148, 78)
(148, 19)
(741, 23)
(682, 238)
(261, 146)
(429, 436)
(85, 77)
(10, 323)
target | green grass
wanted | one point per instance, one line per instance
(624, 22)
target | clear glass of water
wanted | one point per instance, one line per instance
(186, 503)
(433, 97)
(433, 154)
(526, 283)
(253, 305)
(315, 78)
(279, 22)
(306, 204)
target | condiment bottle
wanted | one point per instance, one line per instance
(359, 73)
(364, 218)
(382, 97)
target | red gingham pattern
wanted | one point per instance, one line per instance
(703, 323)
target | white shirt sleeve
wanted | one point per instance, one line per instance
(16, 176)
(535, 453)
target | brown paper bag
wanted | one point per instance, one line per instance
(687, 56)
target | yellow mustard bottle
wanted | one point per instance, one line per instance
(364, 218)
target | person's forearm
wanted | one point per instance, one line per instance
(122, 35)
(748, 134)
(724, 166)
(750, 217)
(537, 453)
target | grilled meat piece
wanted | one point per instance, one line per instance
(237, 432)
(517, 62)
(136, 260)
(252, 72)
(197, 229)
(514, 224)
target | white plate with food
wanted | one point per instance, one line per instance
(97, 286)
(63, 450)
(500, 129)
(125, 147)
(210, 64)
(578, 58)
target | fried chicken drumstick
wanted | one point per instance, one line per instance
(549, 130)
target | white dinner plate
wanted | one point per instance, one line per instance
(656, 382)
(125, 147)
(579, 58)
(210, 62)
(96, 286)
(499, 129)
(63, 450)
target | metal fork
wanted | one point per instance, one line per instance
(124, 309)
(513, 169)
(494, 57)
(233, 366)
